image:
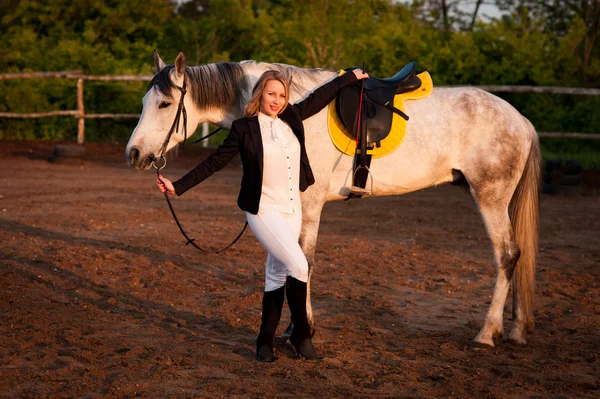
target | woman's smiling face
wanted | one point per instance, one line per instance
(273, 98)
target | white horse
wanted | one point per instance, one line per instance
(461, 135)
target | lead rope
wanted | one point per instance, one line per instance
(191, 240)
(174, 128)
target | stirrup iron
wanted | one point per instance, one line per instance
(357, 190)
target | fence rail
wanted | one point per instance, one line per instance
(37, 114)
(33, 75)
(538, 89)
(80, 114)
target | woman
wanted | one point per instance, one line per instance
(270, 141)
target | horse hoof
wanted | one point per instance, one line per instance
(517, 337)
(517, 340)
(481, 343)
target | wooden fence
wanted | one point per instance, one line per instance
(80, 114)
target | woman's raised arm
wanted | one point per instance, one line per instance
(323, 95)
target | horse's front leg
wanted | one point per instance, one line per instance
(311, 217)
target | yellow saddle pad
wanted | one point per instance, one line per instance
(345, 144)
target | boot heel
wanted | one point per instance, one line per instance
(265, 354)
(300, 338)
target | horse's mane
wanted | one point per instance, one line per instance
(226, 84)
(223, 84)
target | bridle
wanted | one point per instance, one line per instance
(163, 149)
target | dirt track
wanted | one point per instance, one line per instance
(100, 298)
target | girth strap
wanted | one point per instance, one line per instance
(362, 160)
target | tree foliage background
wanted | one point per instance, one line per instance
(535, 42)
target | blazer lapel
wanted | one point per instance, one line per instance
(256, 139)
(288, 117)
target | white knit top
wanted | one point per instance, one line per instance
(281, 167)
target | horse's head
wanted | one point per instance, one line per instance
(160, 107)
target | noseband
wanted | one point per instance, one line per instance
(175, 127)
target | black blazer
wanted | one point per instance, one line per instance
(245, 138)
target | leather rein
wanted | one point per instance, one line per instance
(175, 127)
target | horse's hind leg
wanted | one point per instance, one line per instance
(494, 212)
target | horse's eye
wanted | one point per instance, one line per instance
(163, 104)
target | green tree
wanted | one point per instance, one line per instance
(561, 18)
(533, 44)
(94, 36)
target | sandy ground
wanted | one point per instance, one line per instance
(100, 298)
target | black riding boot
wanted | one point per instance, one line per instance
(300, 338)
(271, 312)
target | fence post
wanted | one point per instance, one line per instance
(80, 114)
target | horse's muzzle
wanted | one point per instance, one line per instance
(137, 161)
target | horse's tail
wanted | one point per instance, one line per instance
(524, 216)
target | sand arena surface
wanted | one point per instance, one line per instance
(100, 298)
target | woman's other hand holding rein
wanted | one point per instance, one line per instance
(165, 185)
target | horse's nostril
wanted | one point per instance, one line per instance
(134, 154)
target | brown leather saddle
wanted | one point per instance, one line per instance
(377, 103)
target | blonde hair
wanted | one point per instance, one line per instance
(253, 106)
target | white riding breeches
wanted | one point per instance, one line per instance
(279, 233)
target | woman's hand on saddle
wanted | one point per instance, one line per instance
(165, 184)
(360, 74)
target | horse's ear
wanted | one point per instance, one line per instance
(158, 62)
(180, 65)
